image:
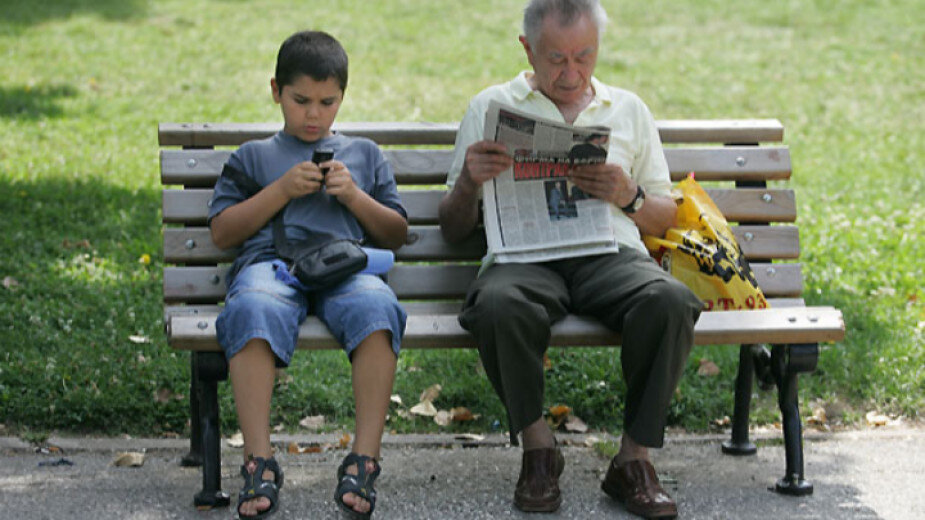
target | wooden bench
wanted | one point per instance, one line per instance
(734, 159)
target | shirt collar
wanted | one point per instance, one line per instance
(520, 88)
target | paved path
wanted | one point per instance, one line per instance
(857, 475)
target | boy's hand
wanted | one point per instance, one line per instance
(302, 179)
(338, 181)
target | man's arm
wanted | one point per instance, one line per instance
(459, 208)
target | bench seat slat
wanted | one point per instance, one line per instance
(411, 307)
(750, 205)
(200, 168)
(775, 325)
(207, 284)
(671, 131)
(194, 245)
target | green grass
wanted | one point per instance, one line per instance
(86, 82)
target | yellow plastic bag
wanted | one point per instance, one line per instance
(702, 252)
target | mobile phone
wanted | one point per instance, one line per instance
(322, 155)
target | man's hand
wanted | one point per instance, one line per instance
(485, 160)
(605, 181)
(302, 179)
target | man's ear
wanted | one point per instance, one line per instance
(275, 88)
(527, 48)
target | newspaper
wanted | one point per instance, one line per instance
(533, 213)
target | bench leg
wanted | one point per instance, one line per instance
(787, 362)
(194, 457)
(209, 369)
(739, 444)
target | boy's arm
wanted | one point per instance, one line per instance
(234, 225)
(237, 223)
(387, 227)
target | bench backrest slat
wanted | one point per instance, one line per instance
(200, 168)
(738, 205)
(204, 135)
(193, 245)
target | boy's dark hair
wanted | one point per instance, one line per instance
(311, 53)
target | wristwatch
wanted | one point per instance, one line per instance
(637, 201)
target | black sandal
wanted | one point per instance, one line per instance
(256, 486)
(360, 484)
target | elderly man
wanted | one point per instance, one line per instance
(511, 306)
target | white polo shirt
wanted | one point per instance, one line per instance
(634, 141)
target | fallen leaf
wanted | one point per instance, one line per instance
(818, 417)
(470, 437)
(295, 448)
(395, 398)
(547, 364)
(443, 418)
(431, 393)
(344, 441)
(236, 440)
(707, 368)
(283, 377)
(132, 459)
(722, 422)
(425, 408)
(312, 422)
(559, 410)
(876, 419)
(9, 282)
(575, 425)
(165, 395)
(461, 413)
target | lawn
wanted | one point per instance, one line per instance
(86, 82)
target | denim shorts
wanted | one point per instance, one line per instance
(260, 306)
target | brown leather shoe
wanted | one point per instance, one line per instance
(636, 485)
(538, 485)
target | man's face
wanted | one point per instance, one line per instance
(564, 58)
(309, 106)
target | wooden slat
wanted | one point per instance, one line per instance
(741, 131)
(201, 135)
(414, 308)
(200, 168)
(206, 284)
(774, 326)
(194, 245)
(753, 163)
(750, 205)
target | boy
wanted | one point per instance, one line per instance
(356, 198)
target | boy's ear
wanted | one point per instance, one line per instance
(275, 88)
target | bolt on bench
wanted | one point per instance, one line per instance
(734, 159)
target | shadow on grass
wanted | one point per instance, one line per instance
(83, 313)
(20, 13)
(25, 102)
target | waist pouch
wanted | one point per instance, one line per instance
(328, 264)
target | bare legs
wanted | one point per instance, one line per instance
(253, 370)
(373, 374)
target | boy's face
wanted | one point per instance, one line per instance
(309, 106)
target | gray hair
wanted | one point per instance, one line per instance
(568, 12)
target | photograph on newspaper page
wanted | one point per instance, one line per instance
(532, 211)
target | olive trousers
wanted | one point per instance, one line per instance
(510, 309)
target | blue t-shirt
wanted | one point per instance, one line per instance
(315, 214)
